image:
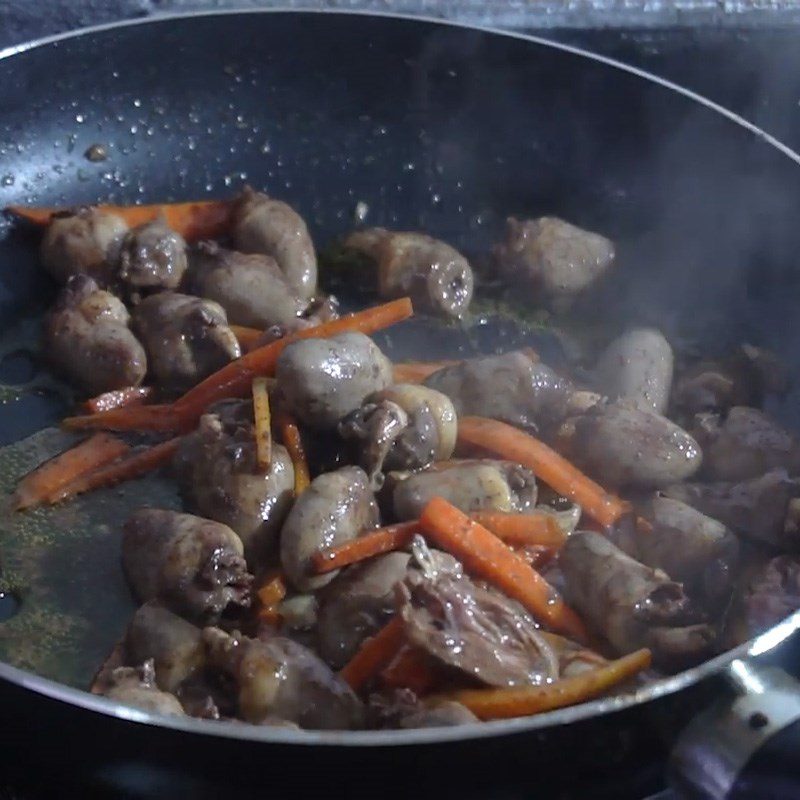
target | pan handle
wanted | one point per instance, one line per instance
(746, 746)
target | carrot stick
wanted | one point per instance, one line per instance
(119, 398)
(373, 543)
(293, 442)
(133, 466)
(523, 701)
(417, 371)
(273, 590)
(522, 529)
(548, 465)
(410, 669)
(202, 219)
(233, 380)
(263, 425)
(247, 337)
(133, 418)
(483, 554)
(35, 488)
(374, 654)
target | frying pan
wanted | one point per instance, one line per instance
(447, 129)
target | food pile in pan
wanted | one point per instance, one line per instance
(367, 544)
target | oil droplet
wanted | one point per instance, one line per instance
(8, 180)
(80, 118)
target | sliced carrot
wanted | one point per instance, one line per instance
(134, 418)
(132, 466)
(417, 371)
(293, 442)
(263, 420)
(485, 556)
(374, 654)
(538, 528)
(410, 669)
(247, 337)
(370, 544)
(270, 615)
(201, 219)
(273, 590)
(119, 398)
(549, 466)
(524, 701)
(52, 476)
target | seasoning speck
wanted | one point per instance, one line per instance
(96, 152)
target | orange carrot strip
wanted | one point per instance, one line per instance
(373, 543)
(263, 425)
(133, 418)
(271, 615)
(202, 219)
(119, 398)
(522, 701)
(538, 528)
(374, 654)
(417, 371)
(483, 554)
(133, 466)
(548, 465)
(293, 442)
(410, 669)
(247, 337)
(35, 488)
(273, 590)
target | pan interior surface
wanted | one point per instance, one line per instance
(431, 127)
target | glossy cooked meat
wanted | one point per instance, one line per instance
(152, 258)
(82, 242)
(280, 678)
(186, 338)
(336, 507)
(271, 227)
(136, 686)
(194, 565)
(469, 484)
(436, 277)
(322, 380)
(771, 594)
(401, 708)
(88, 339)
(250, 286)
(557, 259)
(509, 387)
(219, 478)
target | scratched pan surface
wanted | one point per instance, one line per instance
(433, 127)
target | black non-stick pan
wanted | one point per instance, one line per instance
(434, 127)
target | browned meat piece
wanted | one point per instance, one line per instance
(509, 387)
(357, 604)
(622, 445)
(264, 225)
(690, 547)
(401, 708)
(437, 277)
(627, 602)
(323, 380)
(637, 366)
(136, 686)
(573, 658)
(83, 242)
(321, 309)
(479, 632)
(743, 379)
(219, 478)
(335, 508)
(250, 286)
(186, 338)
(556, 259)
(471, 485)
(745, 445)
(87, 338)
(766, 508)
(194, 565)
(173, 645)
(403, 427)
(280, 678)
(152, 258)
(770, 595)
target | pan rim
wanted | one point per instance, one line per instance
(414, 737)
